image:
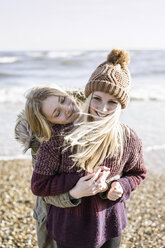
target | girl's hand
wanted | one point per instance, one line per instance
(86, 186)
(101, 181)
(91, 184)
(115, 191)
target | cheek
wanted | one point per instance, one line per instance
(110, 108)
(113, 106)
(48, 117)
(94, 105)
(59, 120)
(52, 120)
(62, 119)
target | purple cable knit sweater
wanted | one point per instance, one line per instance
(95, 220)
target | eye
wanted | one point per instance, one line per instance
(57, 113)
(112, 102)
(96, 98)
(62, 99)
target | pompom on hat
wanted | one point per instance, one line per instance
(112, 77)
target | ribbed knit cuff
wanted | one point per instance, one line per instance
(103, 195)
(73, 200)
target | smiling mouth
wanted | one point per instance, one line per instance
(101, 114)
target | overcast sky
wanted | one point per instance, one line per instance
(81, 24)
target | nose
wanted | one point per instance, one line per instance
(68, 110)
(104, 108)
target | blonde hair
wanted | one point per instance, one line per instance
(97, 140)
(40, 126)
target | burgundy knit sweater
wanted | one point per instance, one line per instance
(95, 220)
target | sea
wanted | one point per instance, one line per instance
(20, 71)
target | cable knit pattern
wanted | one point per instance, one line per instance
(112, 79)
(95, 220)
(52, 166)
(50, 158)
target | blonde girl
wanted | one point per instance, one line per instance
(101, 139)
(45, 108)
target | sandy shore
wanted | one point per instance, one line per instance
(146, 210)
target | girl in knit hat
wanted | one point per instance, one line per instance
(107, 92)
(35, 125)
(99, 139)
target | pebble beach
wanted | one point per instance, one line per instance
(145, 114)
(145, 209)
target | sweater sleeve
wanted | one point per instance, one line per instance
(46, 181)
(45, 185)
(62, 201)
(134, 171)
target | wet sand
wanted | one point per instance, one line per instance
(145, 209)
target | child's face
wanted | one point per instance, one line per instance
(102, 104)
(60, 109)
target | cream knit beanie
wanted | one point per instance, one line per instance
(112, 77)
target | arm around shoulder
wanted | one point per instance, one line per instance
(46, 181)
